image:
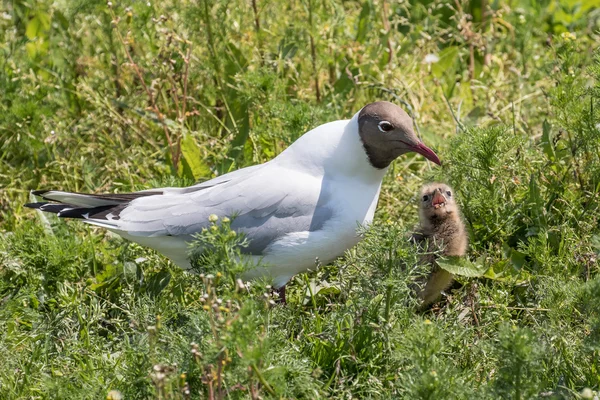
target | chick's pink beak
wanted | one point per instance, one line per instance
(438, 198)
(427, 153)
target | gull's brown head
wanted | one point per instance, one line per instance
(386, 131)
(436, 202)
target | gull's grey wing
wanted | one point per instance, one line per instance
(76, 205)
(266, 204)
(237, 174)
(265, 226)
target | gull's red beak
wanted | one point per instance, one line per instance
(427, 153)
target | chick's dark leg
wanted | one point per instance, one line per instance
(281, 293)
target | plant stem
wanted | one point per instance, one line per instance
(262, 380)
(313, 51)
(388, 292)
(257, 29)
(386, 26)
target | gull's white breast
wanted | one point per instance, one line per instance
(353, 205)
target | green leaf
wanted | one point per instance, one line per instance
(319, 290)
(504, 271)
(595, 242)
(33, 27)
(193, 163)
(157, 282)
(235, 61)
(287, 50)
(518, 258)
(240, 124)
(38, 26)
(535, 198)
(344, 84)
(62, 20)
(547, 144)
(492, 274)
(364, 25)
(37, 48)
(462, 266)
(107, 279)
(130, 271)
(447, 62)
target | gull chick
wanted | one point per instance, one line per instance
(304, 204)
(444, 232)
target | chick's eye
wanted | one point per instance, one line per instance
(385, 126)
(425, 198)
(449, 193)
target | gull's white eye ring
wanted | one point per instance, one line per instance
(385, 126)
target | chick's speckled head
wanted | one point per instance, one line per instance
(436, 202)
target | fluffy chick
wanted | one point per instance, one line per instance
(443, 229)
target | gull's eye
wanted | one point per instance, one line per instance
(426, 197)
(449, 193)
(385, 126)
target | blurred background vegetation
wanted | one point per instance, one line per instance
(122, 96)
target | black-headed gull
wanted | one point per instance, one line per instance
(304, 204)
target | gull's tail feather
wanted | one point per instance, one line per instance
(91, 200)
(97, 209)
(71, 210)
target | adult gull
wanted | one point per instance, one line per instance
(304, 204)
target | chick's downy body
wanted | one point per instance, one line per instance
(444, 232)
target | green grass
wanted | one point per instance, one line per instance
(99, 98)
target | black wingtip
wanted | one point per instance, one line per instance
(34, 205)
(71, 211)
(39, 192)
(54, 208)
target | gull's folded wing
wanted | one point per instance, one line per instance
(265, 204)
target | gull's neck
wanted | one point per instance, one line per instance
(334, 147)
